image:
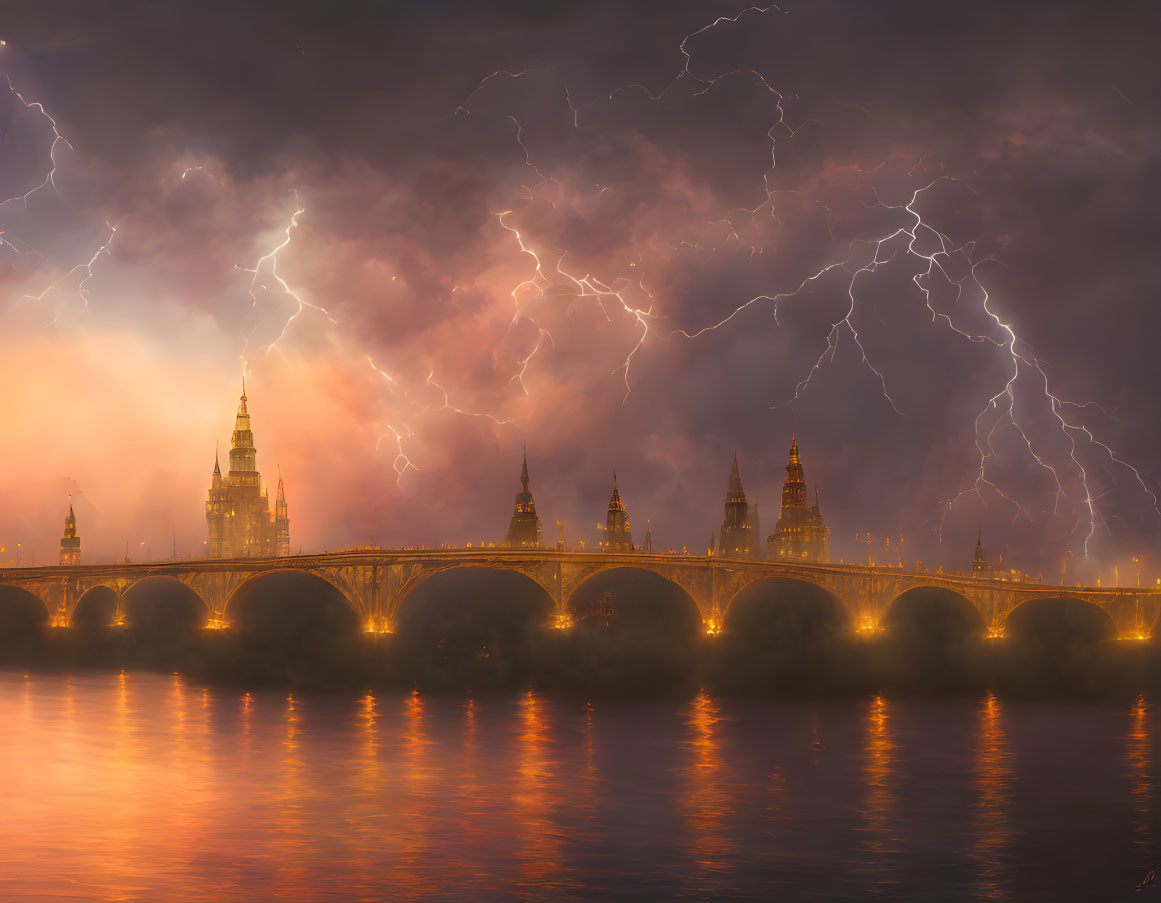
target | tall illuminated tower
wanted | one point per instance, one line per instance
(524, 528)
(238, 514)
(801, 533)
(70, 543)
(735, 538)
(281, 522)
(618, 537)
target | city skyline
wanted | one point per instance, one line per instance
(241, 524)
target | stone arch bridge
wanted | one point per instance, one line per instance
(375, 582)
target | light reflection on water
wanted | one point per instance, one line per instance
(1140, 758)
(142, 787)
(994, 777)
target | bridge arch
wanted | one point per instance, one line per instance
(750, 584)
(97, 607)
(949, 605)
(695, 611)
(248, 583)
(22, 612)
(142, 610)
(1075, 617)
(422, 578)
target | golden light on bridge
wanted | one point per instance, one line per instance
(377, 625)
(561, 621)
(713, 627)
(867, 626)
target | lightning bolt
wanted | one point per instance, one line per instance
(57, 140)
(86, 267)
(268, 263)
(1024, 365)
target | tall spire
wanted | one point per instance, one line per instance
(217, 466)
(801, 532)
(615, 503)
(70, 543)
(618, 537)
(735, 477)
(524, 528)
(242, 401)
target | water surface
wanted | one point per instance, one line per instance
(142, 787)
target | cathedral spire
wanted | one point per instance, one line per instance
(618, 537)
(735, 477)
(70, 543)
(801, 532)
(239, 518)
(735, 537)
(524, 527)
(979, 562)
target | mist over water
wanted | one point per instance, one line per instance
(629, 633)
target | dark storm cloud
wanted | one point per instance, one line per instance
(199, 129)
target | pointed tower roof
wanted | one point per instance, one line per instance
(793, 449)
(242, 400)
(524, 469)
(615, 503)
(217, 466)
(281, 489)
(735, 477)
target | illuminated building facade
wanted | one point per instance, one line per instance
(238, 514)
(524, 528)
(618, 537)
(735, 537)
(70, 543)
(801, 533)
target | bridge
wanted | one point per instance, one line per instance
(376, 582)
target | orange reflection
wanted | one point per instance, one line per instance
(994, 779)
(1140, 758)
(883, 840)
(414, 835)
(292, 829)
(540, 841)
(369, 731)
(707, 806)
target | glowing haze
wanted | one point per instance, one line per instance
(923, 237)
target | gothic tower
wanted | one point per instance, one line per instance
(281, 522)
(801, 533)
(734, 539)
(981, 567)
(70, 543)
(238, 514)
(524, 528)
(618, 537)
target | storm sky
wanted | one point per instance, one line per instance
(499, 223)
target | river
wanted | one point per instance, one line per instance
(147, 787)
